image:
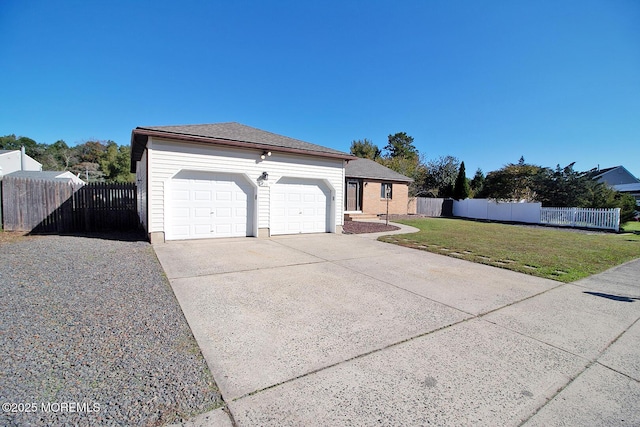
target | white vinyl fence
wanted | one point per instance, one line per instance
(497, 211)
(534, 213)
(580, 217)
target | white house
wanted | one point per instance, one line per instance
(231, 180)
(17, 160)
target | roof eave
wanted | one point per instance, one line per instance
(376, 178)
(140, 136)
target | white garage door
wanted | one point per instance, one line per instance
(206, 205)
(299, 206)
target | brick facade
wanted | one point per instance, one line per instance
(373, 204)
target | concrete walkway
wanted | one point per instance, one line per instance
(345, 330)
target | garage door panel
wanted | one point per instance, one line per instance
(180, 212)
(202, 195)
(223, 196)
(201, 229)
(202, 212)
(181, 194)
(298, 206)
(209, 205)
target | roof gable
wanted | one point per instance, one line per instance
(615, 176)
(368, 169)
(230, 134)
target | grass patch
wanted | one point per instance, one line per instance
(559, 255)
(631, 227)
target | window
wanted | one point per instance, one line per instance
(386, 189)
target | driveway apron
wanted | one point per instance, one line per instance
(332, 329)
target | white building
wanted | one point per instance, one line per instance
(232, 180)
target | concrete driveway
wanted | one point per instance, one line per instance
(345, 330)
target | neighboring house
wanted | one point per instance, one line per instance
(633, 189)
(16, 160)
(231, 180)
(369, 184)
(57, 176)
(620, 179)
(614, 176)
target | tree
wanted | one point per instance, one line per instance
(600, 195)
(11, 142)
(59, 156)
(477, 182)
(411, 167)
(440, 176)
(514, 182)
(91, 151)
(562, 187)
(401, 145)
(365, 149)
(116, 163)
(88, 171)
(461, 187)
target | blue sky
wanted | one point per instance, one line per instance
(485, 81)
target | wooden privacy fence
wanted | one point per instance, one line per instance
(58, 207)
(608, 219)
(434, 206)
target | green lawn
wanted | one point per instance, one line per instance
(632, 227)
(554, 254)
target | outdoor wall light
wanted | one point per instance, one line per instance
(265, 154)
(264, 176)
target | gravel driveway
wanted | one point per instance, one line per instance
(92, 334)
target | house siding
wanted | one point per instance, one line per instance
(11, 161)
(617, 176)
(166, 158)
(373, 204)
(141, 183)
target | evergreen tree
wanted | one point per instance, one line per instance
(401, 145)
(477, 183)
(461, 187)
(365, 149)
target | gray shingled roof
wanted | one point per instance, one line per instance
(238, 132)
(365, 168)
(7, 151)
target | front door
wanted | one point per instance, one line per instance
(353, 196)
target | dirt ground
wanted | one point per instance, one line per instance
(361, 227)
(11, 236)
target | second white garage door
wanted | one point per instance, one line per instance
(209, 205)
(299, 206)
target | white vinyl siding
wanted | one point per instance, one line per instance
(141, 184)
(167, 158)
